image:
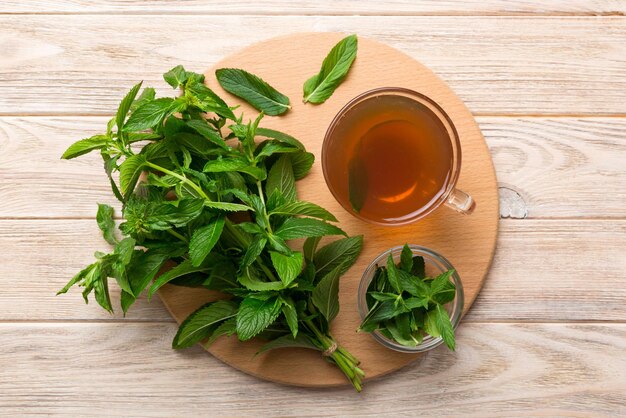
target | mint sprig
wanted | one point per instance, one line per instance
(210, 201)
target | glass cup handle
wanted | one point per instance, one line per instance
(461, 202)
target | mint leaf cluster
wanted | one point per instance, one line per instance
(405, 305)
(209, 200)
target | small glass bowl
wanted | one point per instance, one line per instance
(435, 264)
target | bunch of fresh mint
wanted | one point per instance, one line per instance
(210, 201)
(405, 305)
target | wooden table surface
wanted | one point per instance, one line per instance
(547, 84)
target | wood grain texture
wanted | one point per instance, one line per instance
(543, 270)
(515, 65)
(546, 167)
(321, 7)
(497, 370)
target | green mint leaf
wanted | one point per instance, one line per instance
(280, 137)
(290, 313)
(130, 171)
(206, 99)
(169, 215)
(234, 164)
(251, 282)
(392, 274)
(152, 114)
(412, 284)
(382, 296)
(147, 95)
(325, 296)
(288, 267)
(204, 239)
(335, 67)
(309, 247)
(101, 292)
(406, 259)
(180, 270)
(140, 273)
(357, 184)
(201, 323)
(281, 178)
(344, 252)
(176, 77)
(226, 328)
(104, 217)
(442, 290)
(208, 133)
(415, 303)
(301, 163)
(381, 312)
(253, 90)
(294, 228)
(304, 209)
(400, 330)
(288, 341)
(77, 278)
(278, 244)
(125, 105)
(255, 315)
(226, 206)
(85, 146)
(253, 251)
(268, 148)
(444, 326)
(419, 268)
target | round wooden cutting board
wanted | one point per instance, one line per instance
(467, 241)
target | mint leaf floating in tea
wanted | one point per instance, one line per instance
(335, 67)
(253, 90)
(188, 167)
(404, 305)
(357, 184)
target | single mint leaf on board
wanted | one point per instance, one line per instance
(326, 294)
(254, 90)
(104, 217)
(152, 114)
(406, 259)
(255, 315)
(175, 77)
(335, 67)
(294, 228)
(281, 178)
(288, 267)
(357, 184)
(84, 146)
(204, 239)
(344, 252)
(304, 209)
(182, 269)
(201, 324)
(125, 105)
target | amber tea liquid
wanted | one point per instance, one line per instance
(389, 158)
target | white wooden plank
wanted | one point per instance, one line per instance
(546, 167)
(321, 7)
(549, 270)
(513, 65)
(130, 370)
